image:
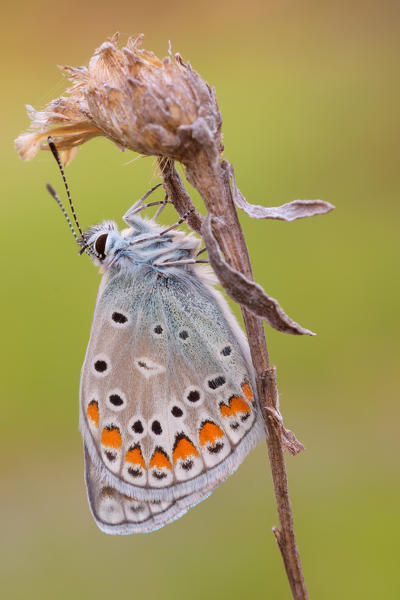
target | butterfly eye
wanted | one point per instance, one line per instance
(100, 245)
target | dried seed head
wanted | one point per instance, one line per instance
(151, 106)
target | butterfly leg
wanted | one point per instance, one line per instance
(133, 208)
(174, 263)
(158, 235)
(163, 205)
(175, 225)
(144, 206)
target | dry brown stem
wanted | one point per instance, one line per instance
(212, 180)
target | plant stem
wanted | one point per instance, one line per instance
(211, 179)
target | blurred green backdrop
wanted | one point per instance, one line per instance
(309, 93)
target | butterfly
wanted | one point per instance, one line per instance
(167, 405)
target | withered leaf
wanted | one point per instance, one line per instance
(289, 441)
(298, 209)
(246, 292)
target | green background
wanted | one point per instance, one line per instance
(309, 93)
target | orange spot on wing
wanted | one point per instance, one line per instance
(111, 437)
(225, 410)
(135, 457)
(160, 460)
(209, 433)
(183, 449)
(93, 412)
(237, 404)
(247, 391)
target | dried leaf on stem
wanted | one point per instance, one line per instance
(247, 293)
(297, 209)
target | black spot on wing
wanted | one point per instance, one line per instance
(159, 474)
(216, 382)
(118, 317)
(135, 473)
(110, 455)
(111, 427)
(100, 366)
(156, 427)
(187, 465)
(137, 427)
(176, 411)
(215, 449)
(193, 396)
(116, 400)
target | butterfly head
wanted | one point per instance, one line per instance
(101, 241)
(144, 242)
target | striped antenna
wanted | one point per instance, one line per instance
(54, 194)
(56, 155)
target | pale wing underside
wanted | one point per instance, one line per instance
(119, 514)
(167, 406)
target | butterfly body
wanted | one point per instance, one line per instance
(167, 398)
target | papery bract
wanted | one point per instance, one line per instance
(151, 106)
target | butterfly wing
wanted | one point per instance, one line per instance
(117, 513)
(167, 403)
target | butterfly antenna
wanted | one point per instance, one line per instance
(56, 155)
(54, 194)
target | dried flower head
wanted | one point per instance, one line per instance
(151, 106)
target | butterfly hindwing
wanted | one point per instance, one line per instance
(167, 392)
(117, 513)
